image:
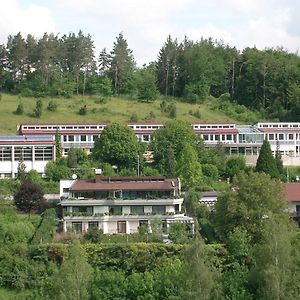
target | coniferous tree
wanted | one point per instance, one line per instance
(278, 160)
(72, 158)
(58, 149)
(266, 162)
(121, 66)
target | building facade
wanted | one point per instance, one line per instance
(120, 204)
(34, 151)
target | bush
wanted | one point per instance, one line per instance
(38, 109)
(20, 109)
(83, 110)
(52, 106)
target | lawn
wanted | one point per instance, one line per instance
(114, 109)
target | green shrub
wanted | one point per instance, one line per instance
(20, 109)
(52, 106)
(83, 110)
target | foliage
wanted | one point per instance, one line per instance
(20, 109)
(52, 106)
(72, 158)
(21, 175)
(83, 110)
(29, 197)
(235, 165)
(38, 109)
(44, 231)
(199, 273)
(118, 146)
(174, 135)
(179, 233)
(58, 149)
(266, 162)
(57, 170)
(146, 85)
(257, 197)
(188, 168)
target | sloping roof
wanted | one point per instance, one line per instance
(292, 191)
(85, 185)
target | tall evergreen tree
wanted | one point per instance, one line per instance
(266, 162)
(122, 65)
(278, 160)
(167, 67)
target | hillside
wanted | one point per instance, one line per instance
(115, 109)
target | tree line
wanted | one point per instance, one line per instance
(265, 80)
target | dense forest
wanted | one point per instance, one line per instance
(264, 80)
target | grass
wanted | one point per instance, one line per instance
(114, 109)
(11, 294)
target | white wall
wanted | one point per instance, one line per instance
(64, 184)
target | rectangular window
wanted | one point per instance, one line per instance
(115, 210)
(5, 153)
(205, 137)
(43, 153)
(159, 209)
(229, 137)
(71, 138)
(77, 226)
(23, 153)
(291, 136)
(137, 210)
(281, 136)
(93, 225)
(65, 138)
(146, 138)
(271, 137)
(121, 226)
(83, 138)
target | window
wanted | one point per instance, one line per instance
(217, 137)
(115, 210)
(229, 137)
(137, 210)
(77, 226)
(146, 138)
(83, 138)
(43, 153)
(71, 138)
(271, 137)
(280, 136)
(66, 190)
(23, 153)
(93, 225)
(5, 153)
(205, 137)
(291, 136)
(158, 209)
(121, 226)
(65, 138)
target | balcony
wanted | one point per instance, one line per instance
(116, 201)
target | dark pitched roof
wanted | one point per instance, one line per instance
(134, 185)
(292, 191)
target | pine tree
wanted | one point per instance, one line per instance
(72, 158)
(278, 160)
(266, 162)
(122, 65)
(58, 149)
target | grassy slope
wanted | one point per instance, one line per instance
(116, 109)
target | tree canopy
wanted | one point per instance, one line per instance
(118, 146)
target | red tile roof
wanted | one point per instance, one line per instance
(292, 191)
